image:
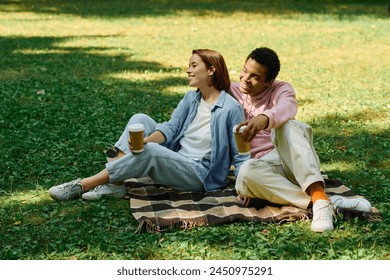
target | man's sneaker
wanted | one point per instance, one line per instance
(106, 190)
(322, 216)
(352, 203)
(67, 191)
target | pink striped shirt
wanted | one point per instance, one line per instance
(278, 103)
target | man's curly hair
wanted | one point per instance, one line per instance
(269, 59)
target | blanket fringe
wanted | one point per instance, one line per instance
(190, 224)
(296, 217)
(149, 227)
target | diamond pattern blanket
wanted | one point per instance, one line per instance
(158, 207)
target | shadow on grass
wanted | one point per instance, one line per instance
(61, 104)
(52, 230)
(121, 8)
(364, 155)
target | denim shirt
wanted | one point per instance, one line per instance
(225, 114)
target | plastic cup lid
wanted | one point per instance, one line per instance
(240, 130)
(136, 127)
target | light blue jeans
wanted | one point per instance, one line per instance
(161, 164)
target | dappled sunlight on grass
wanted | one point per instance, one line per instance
(73, 72)
(35, 51)
(149, 79)
(340, 166)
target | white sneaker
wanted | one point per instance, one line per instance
(322, 216)
(67, 191)
(353, 203)
(107, 190)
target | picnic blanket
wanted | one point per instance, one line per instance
(158, 207)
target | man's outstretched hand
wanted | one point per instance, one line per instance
(253, 126)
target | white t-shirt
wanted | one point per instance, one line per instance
(196, 142)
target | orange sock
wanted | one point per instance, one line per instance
(317, 192)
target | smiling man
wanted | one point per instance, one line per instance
(284, 168)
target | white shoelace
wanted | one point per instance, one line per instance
(324, 213)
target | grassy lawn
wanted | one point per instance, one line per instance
(73, 72)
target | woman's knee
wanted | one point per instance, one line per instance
(138, 118)
(148, 122)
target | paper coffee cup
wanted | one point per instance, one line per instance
(136, 133)
(244, 148)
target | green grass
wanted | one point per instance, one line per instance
(73, 72)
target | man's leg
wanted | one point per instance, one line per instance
(265, 179)
(294, 143)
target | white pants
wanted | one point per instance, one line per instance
(283, 175)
